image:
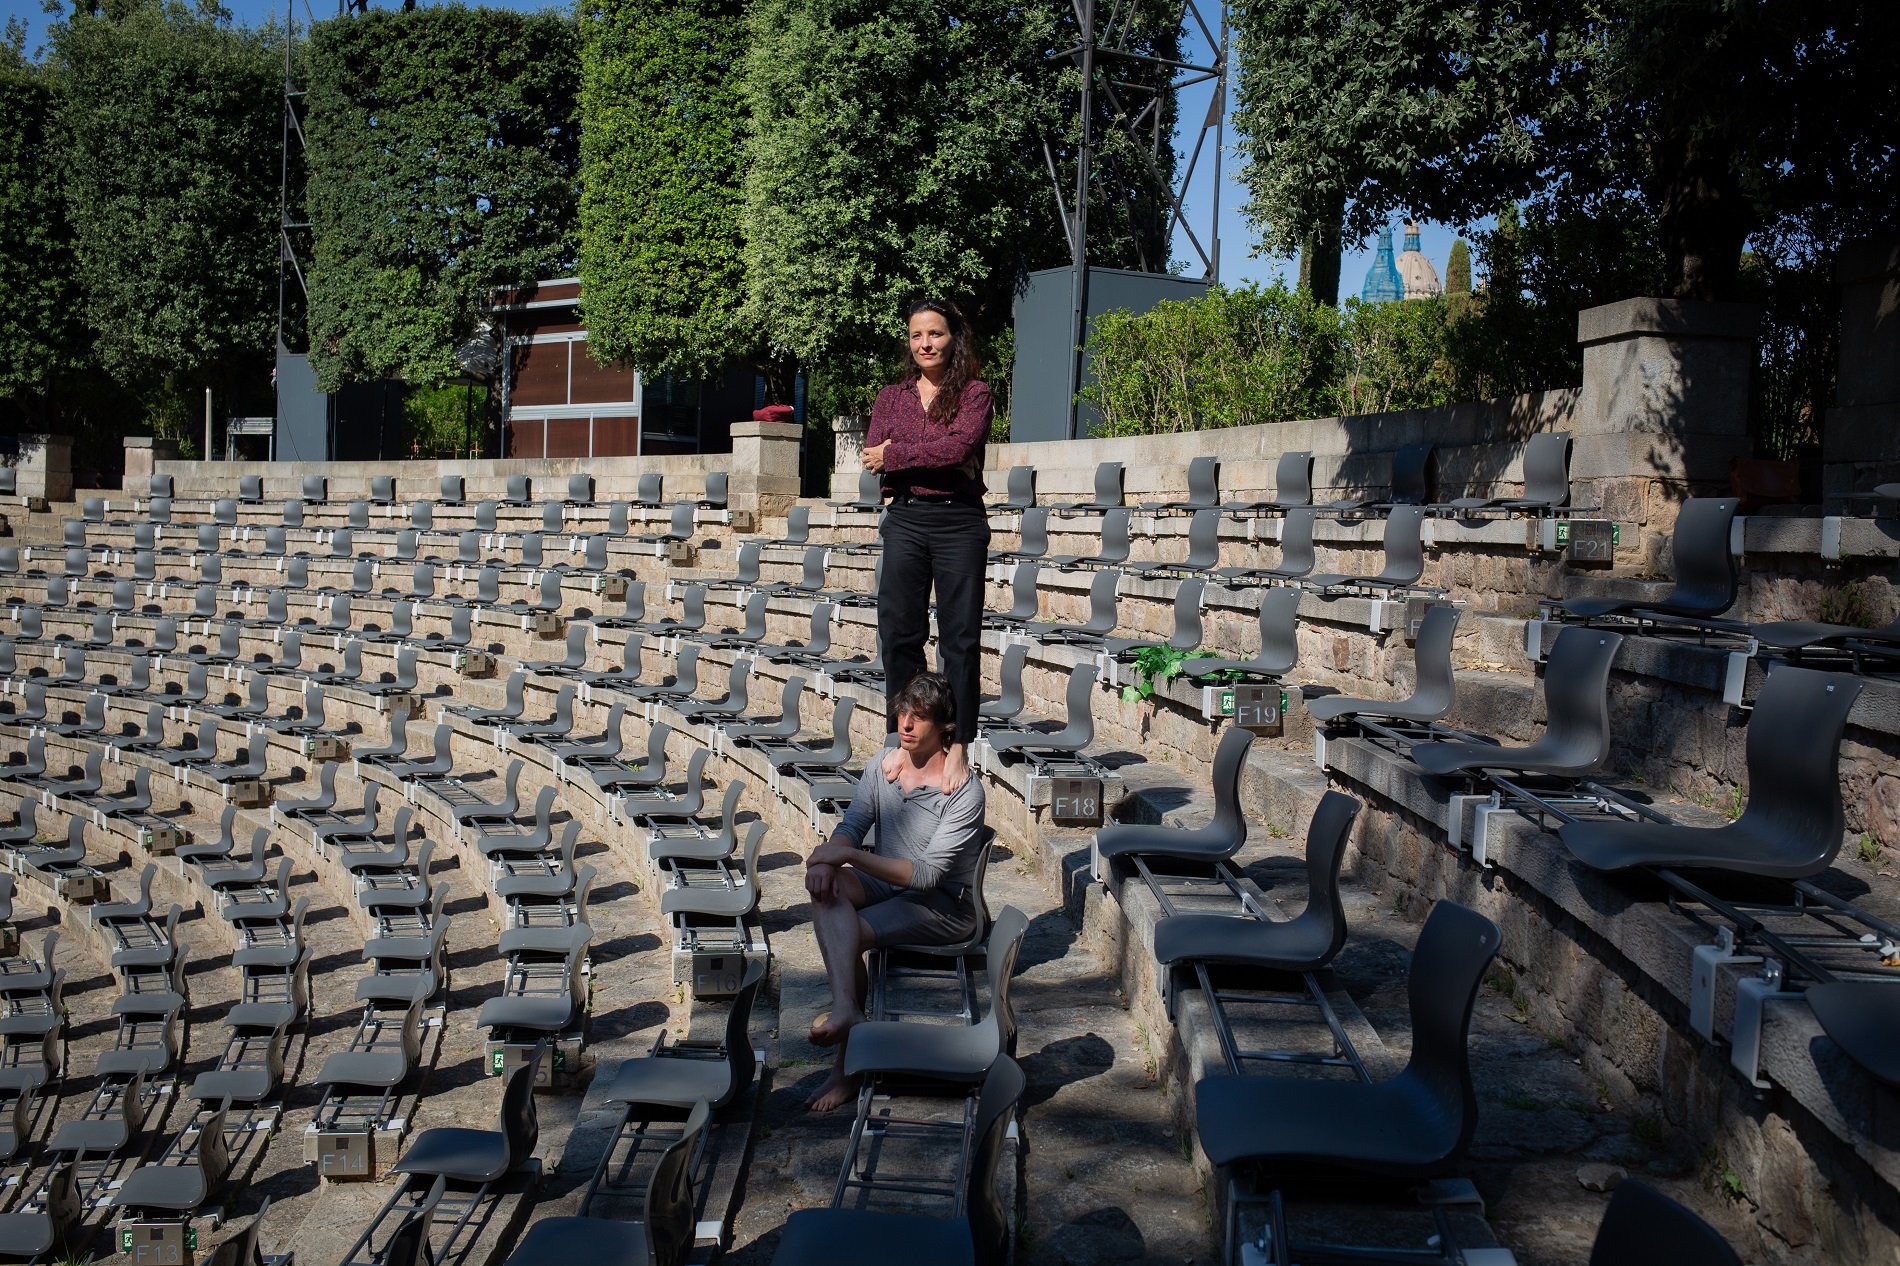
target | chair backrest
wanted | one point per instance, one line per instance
(1435, 685)
(1203, 539)
(1229, 823)
(990, 1216)
(315, 488)
(1411, 475)
(1293, 480)
(1025, 588)
(1643, 1227)
(870, 488)
(1011, 701)
(668, 1215)
(553, 517)
(213, 1153)
(647, 491)
(1279, 630)
(1108, 484)
(1034, 533)
(739, 1057)
(1203, 481)
(1187, 614)
(1021, 488)
(1114, 536)
(1324, 917)
(486, 516)
(1547, 469)
(422, 516)
(1454, 948)
(409, 1246)
(1296, 542)
(250, 489)
(519, 1123)
(747, 569)
(1577, 698)
(1707, 574)
(450, 490)
(517, 490)
(580, 489)
(1793, 759)
(681, 526)
(357, 515)
(1404, 545)
(1102, 611)
(1006, 941)
(715, 489)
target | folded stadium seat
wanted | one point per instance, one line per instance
(1032, 531)
(795, 758)
(1203, 489)
(1108, 493)
(393, 893)
(811, 581)
(382, 1053)
(959, 1054)
(573, 661)
(1187, 625)
(815, 647)
(1077, 732)
(1800, 636)
(1793, 822)
(870, 494)
(251, 489)
(620, 774)
(440, 761)
(1404, 555)
(1203, 551)
(680, 527)
(514, 692)
(1304, 943)
(464, 799)
(1019, 489)
(1411, 1126)
(362, 855)
(664, 1233)
(517, 491)
(110, 1120)
(605, 746)
(1546, 478)
(356, 516)
(450, 490)
(382, 490)
(1292, 488)
(1434, 687)
(545, 1011)
(1114, 545)
(266, 902)
(1219, 839)
(316, 489)
(187, 1176)
(1862, 1017)
(1279, 649)
(680, 1074)
(480, 1157)
(1090, 632)
(1707, 573)
(1296, 553)
(980, 1233)
(1576, 737)
(45, 1220)
(715, 494)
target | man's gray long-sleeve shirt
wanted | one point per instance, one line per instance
(937, 834)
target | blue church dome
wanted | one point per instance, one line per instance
(1382, 279)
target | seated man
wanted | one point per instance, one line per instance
(913, 887)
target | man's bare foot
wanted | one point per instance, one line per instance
(833, 1027)
(837, 1091)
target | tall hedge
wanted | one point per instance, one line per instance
(894, 151)
(443, 162)
(170, 158)
(40, 332)
(663, 115)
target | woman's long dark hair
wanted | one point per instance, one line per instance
(963, 368)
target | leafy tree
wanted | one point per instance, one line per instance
(890, 156)
(443, 156)
(1720, 119)
(1458, 269)
(41, 337)
(169, 119)
(663, 111)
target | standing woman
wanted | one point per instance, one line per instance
(926, 438)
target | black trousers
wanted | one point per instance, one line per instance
(945, 545)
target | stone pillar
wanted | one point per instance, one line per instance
(1664, 406)
(45, 467)
(1861, 446)
(142, 455)
(847, 440)
(764, 476)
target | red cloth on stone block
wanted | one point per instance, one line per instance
(773, 413)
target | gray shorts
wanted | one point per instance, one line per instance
(914, 916)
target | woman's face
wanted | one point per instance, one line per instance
(929, 340)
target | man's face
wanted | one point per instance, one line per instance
(919, 736)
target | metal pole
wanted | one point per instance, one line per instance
(1079, 240)
(1220, 143)
(207, 424)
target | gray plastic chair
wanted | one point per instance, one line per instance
(680, 1082)
(1297, 557)
(979, 1235)
(315, 489)
(1077, 732)
(1576, 737)
(1025, 589)
(1410, 1126)
(1707, 574)
(30, 1234)
(478, 1157)
(664, 1235)
(1019, 488)
(1793, 823)
(1546, 477)
(1279, 651)
(1218, 839)
(1108, 492)
(1404, 555)
(949, 1053)
(1203, 488)
(1187, 625)
(1103, 615)
(1008, 705)
(1203, 552)
(1032, 538)
(1114, 548)
(181, 1187)
(1433, 692)
(1307, 941)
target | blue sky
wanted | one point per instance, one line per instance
(1238, 262)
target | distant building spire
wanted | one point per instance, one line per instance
(1382, 279)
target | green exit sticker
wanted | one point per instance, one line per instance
(1563, 533)
(1227, 702)
(497, 1059)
